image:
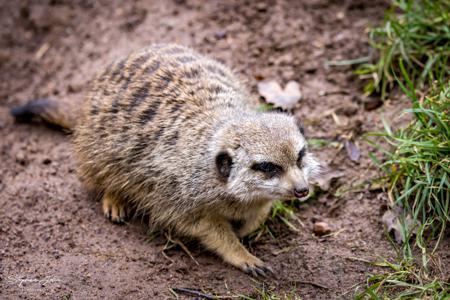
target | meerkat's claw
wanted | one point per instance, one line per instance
(269, 270)
(114, 210)
(257, 271)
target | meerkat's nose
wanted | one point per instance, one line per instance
(301, 192)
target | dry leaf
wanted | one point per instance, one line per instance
(352, 150)
(325, 179)
(285, 98)
(392, 221)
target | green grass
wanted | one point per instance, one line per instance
(417, 169)
(403, 280)
(418, 166)
(265, 294)
(282, 212)
(261, 292)
(412, 49)
(417, 32)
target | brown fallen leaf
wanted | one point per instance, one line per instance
(285, 98)
(352, 150)
(325, 179)
(393, 219)
(372, 103)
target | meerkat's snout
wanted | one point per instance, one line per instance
(301, 192)
(298, 184)
(300, 187)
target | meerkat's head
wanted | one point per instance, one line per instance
(266, 157)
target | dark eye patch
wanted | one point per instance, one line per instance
(224, 163)
(267, 168)
(301, 154)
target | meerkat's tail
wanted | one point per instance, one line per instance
(50, 111)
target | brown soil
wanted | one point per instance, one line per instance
(55, 243)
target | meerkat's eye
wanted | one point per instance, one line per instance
(224, 163)
(268, 168)
(301, 154)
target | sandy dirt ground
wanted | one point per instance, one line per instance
(55, 242)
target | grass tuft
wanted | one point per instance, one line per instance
(418, 166)
(417, 169)
(417, 32)
(403, 280)
(413, 49)
(265, 293)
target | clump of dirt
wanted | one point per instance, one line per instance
(55, 241)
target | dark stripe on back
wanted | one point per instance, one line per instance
(214, 89)
(191, 73)
(132, 69)
(215, 70)
(139, 96)
(149, 113)
(173, 138)
(127, 79)
(164, 80)
(137, 149)
(175, 108)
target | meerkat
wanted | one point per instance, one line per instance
(170, 133)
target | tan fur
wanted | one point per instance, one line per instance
(151, 132)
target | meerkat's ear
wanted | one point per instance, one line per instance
(224, 162)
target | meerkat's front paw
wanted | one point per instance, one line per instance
(114, 210)
(218, 235)
(255, 267)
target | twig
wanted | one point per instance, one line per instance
(40, 53)
(185, 249)
(284, 250)
(335, 233)
(193, 292)
(347, 62)
(179, 243)
(327, 93)
(165, 255)
(358, 259)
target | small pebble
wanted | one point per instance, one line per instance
(321, 228)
